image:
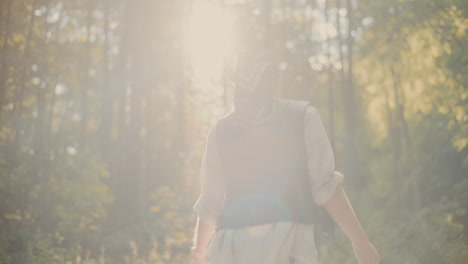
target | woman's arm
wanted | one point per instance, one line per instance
(340, 209)
(209, 204)
(203, 233)
(327, 188)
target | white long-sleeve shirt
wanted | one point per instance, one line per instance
(274, 242)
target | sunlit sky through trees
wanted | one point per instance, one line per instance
(211, 36)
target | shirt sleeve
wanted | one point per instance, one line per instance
(209, 204)
(320, 159)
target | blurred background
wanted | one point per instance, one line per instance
(105, 106)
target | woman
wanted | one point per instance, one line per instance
(242, 235)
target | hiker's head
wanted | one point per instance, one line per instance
(256, 77)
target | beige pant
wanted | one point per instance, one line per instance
(275, 243)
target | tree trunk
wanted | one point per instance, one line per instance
(342, 76)
(398, 97)
(3, 64)
(85, 80)
(395, 143)
(107, 92)
(19, 92)
(331, 96)
(349, 101)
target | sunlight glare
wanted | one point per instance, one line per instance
(210, 39)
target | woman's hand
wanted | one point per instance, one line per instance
(366, 253)
(342, 212)
(197, 255)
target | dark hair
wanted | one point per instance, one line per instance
(255, 68)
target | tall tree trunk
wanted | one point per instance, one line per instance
(398, 97)
(181, 93)
(85, 80)
(19, 92)
(118, 214)
(350, 105)
(40, 126)
(342, 75)
(400, 107)
(396, 151)
(340, 46)
(135, 42)
(331, 96)
(350, 92)
(3, 65)
(107, 92)
(40, 205)
(395, 142)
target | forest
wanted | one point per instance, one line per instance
(105, 108)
